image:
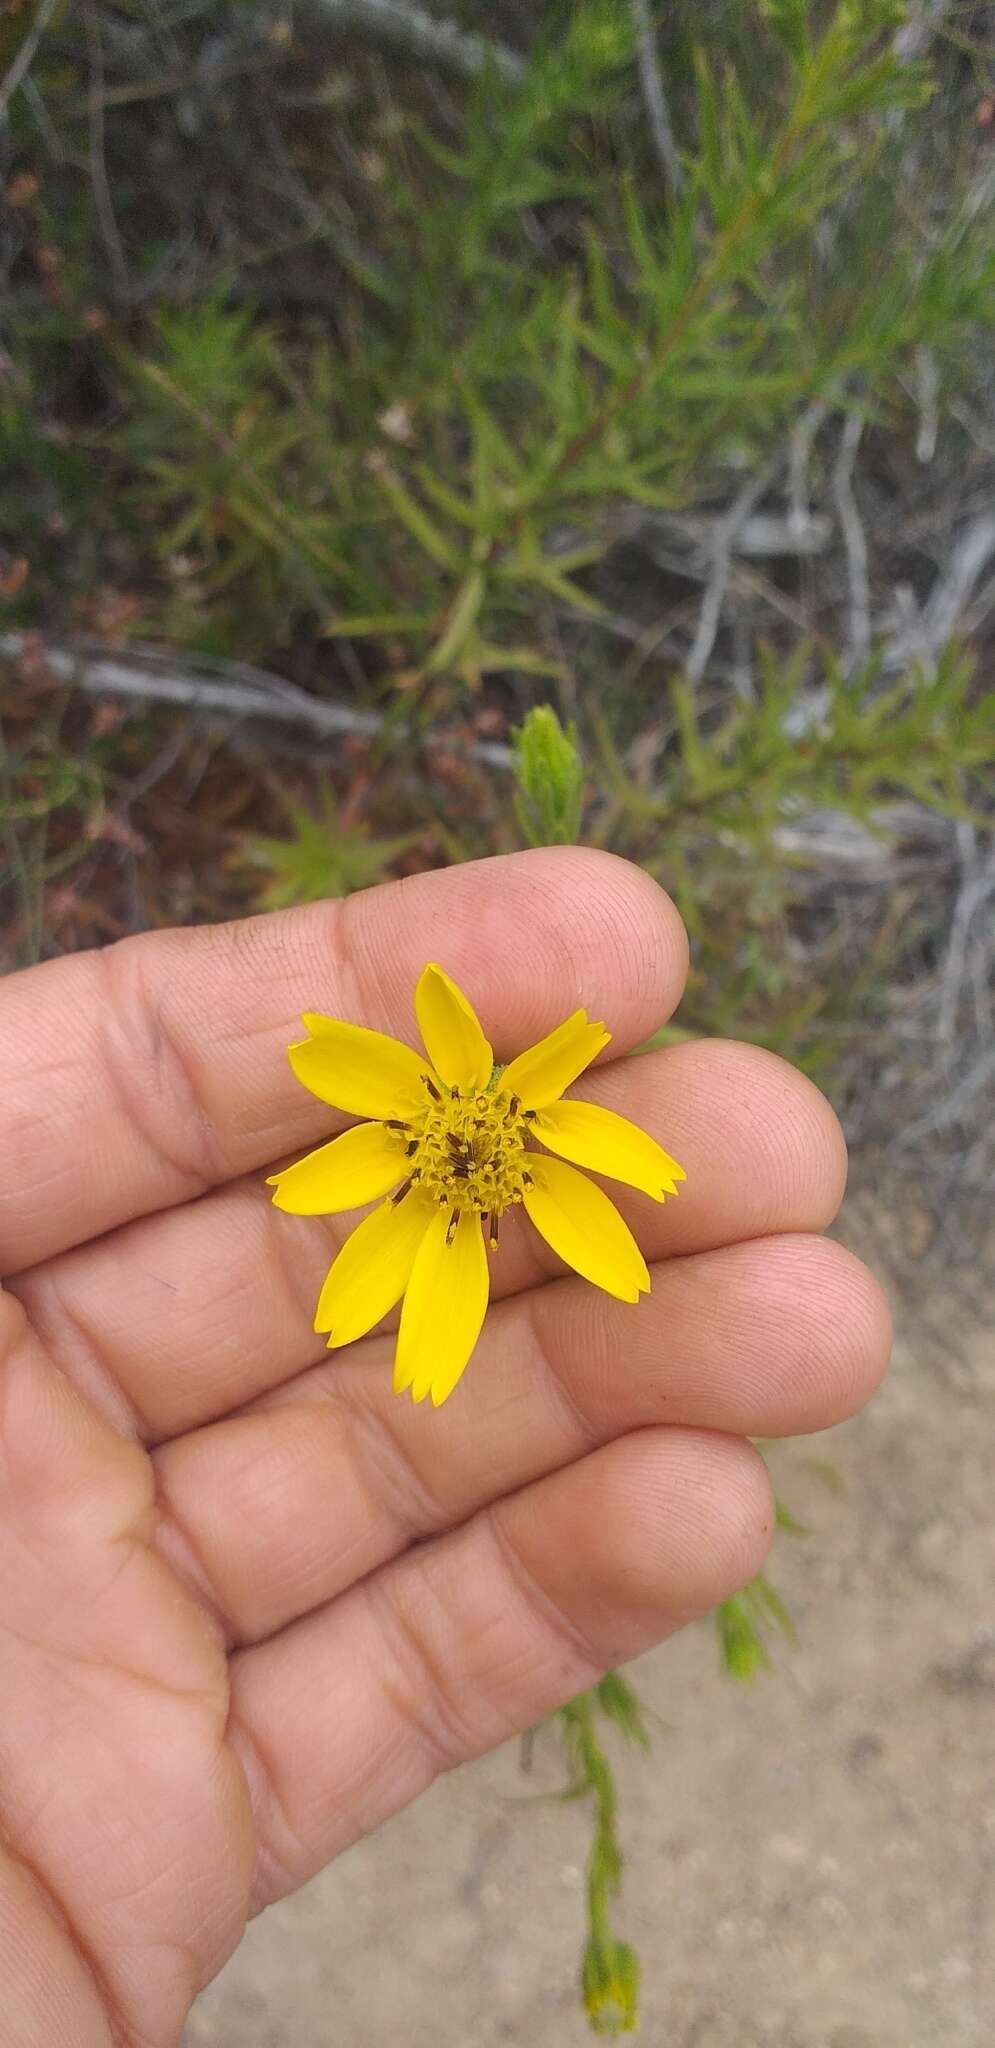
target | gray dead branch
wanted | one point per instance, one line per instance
(654, 97)
(854, 542)
(920, 635)
(722, 549)
(232, 689)
(408, 32)
(25, 57)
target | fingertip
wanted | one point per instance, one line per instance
(707, 1509)
(760, 1106)
(646, 1533)
(861, 1330)
(530, 938)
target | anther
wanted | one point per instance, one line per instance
(453, 1222)
(530, 1115)
(432, 1089)
(403, 1189)
(409, 1150)
(527, 1181)
(392, 1123)
(512, 1110)
(492, 1232)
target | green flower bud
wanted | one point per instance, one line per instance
(549, 774)
(610, 1987)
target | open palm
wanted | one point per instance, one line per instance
(250, 1601)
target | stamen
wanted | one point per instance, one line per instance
(404, 1188)
(393, 1123)
(453, 1223)
(527, 1181)
(530, 1115)
(469, 1149)
(492, 1232)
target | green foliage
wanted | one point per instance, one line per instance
(619, 1703)
(446, 468)
(863, 738)
(609, 1969)
(51, 803)
(741, 1622)
(717, 825)
(549, 776)
(321, 856)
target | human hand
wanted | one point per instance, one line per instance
(250, 1602)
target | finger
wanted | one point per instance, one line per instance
(349, 1714)
(281, 1508)
(120, 1797)
(134, 1078)
(182, 1317)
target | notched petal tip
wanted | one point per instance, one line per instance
(539, 1075)
(604, 1142)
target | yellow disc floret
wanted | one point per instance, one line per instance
(468, 1151)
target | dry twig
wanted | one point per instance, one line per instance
(233, 689)
(801, 444)
(726, 534)
(409, 32)
(854, 541)
(654, 97)
(977, 885)
(102, 201)
(25, 56)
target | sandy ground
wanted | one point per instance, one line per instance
(810, 1862)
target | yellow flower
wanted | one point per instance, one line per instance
(454, 1137)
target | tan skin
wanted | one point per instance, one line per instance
(250, 1601)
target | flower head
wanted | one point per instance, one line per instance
(452, 1141)
(610, 1986)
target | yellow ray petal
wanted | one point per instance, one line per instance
(540, 1075)
(353, 1169)
(372, 1269)
(585, 1228)
(608, 1144)
(444, 1308)
(454, 1041)
(361, 1071)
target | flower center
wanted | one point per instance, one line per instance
(468, 1151)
